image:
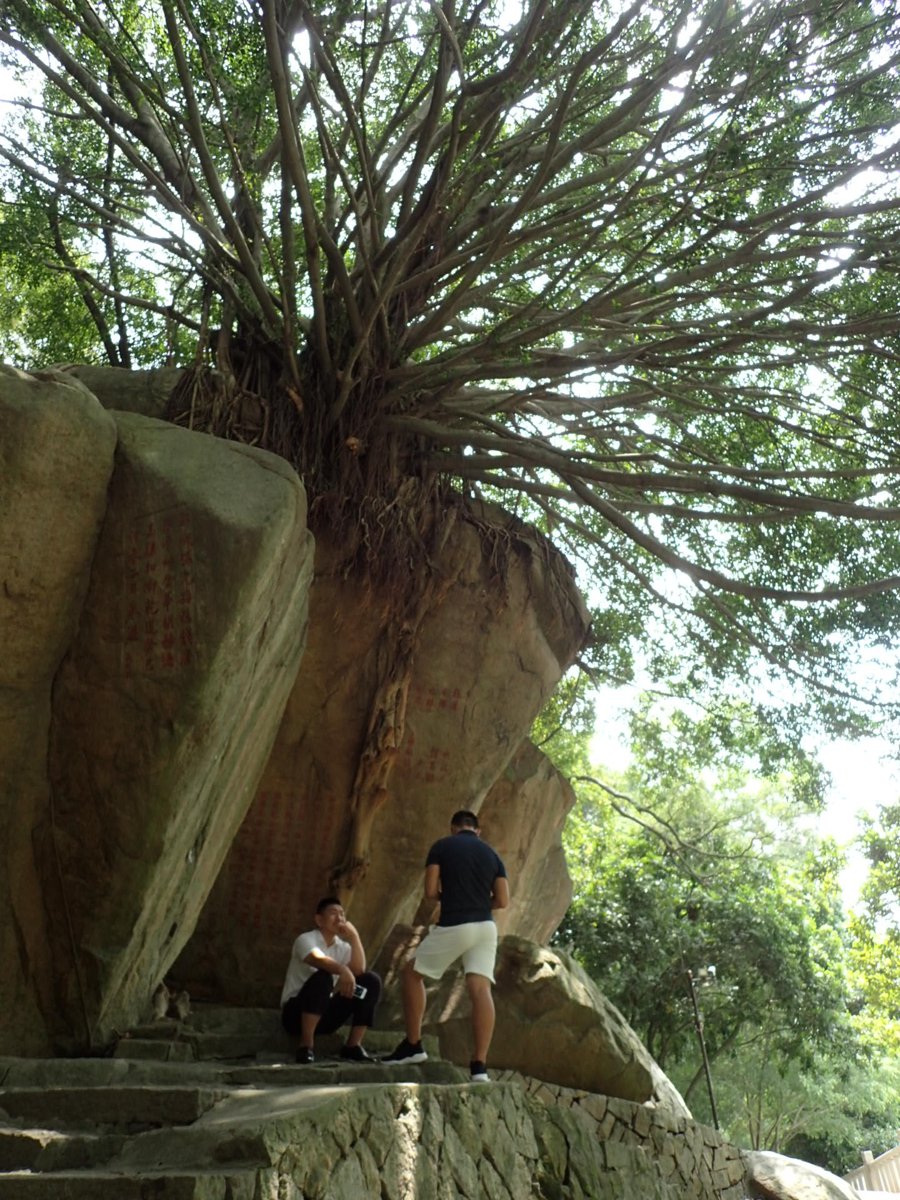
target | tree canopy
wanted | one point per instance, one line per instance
(631, 267)
(673, 871)
(680, 867)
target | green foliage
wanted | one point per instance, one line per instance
(825, 1111)
(705, 853)
(564, 726)
(881, 844)
(696, 882)
(876, 930)
(691, 859)
(633, 270)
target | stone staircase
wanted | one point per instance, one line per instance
(201, 1110)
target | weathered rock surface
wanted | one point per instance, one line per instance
(522, 817)
(56, 458)
(148, 393)
(555, 1024)
(172, 695)
(774, 1177)
(485, 657)
(152, 622)
(165, 708)
(128, 1129)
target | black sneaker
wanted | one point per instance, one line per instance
(305, 1055)
(478, 1072)
(356, 1054)
(406, 1052)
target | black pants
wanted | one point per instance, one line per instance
(316, 996)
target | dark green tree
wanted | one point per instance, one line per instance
(631, 266)
(876, 928)
(677, 869)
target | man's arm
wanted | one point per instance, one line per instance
(500, 892)
(346, 979)
(346, 973)
(433, 882)
(357, 954)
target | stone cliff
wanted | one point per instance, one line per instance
(207, 720)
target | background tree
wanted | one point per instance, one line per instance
(825, 1110)
(876, 928)
(632, 266)
(685, 861)
(672, 873)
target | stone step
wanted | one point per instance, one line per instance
(147, 1106)
(54, 1150)
(87, 1073)
(222, 1018)
(183, 1042)
(162, 1161)
(105, 1072)
(155, 1049)
(113, 1185)
(232, 1020)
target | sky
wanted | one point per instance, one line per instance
(861, 780)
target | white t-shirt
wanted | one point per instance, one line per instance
(299, 971)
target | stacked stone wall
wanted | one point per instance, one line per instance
(695, 1160)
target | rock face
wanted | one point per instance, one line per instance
(56, 458)
(172, 1130)
(484, 657)
(523, 817)
(181, 650)
(148, 393)
(553, 1023)
(774, 1177)
(167, 705)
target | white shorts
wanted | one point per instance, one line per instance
(476, 941)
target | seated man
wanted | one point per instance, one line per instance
(327, 984)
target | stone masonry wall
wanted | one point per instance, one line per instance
(519, 1138)
(695, 1159)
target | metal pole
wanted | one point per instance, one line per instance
(698, 1025)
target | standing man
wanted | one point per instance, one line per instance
(327, 984)
(468, 878)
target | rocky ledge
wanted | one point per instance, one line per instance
(216, 1109)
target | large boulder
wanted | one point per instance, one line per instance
(165, 708)
(553, 1023)
(503, 621)
(149, 393)
(772, 1176)
(56, 458)
(522, 817)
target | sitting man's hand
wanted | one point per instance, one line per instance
(346, 982)
(347, 930)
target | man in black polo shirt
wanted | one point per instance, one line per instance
(469, 879)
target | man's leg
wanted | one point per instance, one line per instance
(301, 1014)
(482, 1001)
(434, 954)
(364, 1010)
(361, 1012)
(413, 994)
(308, 1023)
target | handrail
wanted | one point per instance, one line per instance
(877, 1174)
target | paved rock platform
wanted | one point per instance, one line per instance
(216, 1108)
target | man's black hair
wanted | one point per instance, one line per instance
(326, 902)
(464, 820)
